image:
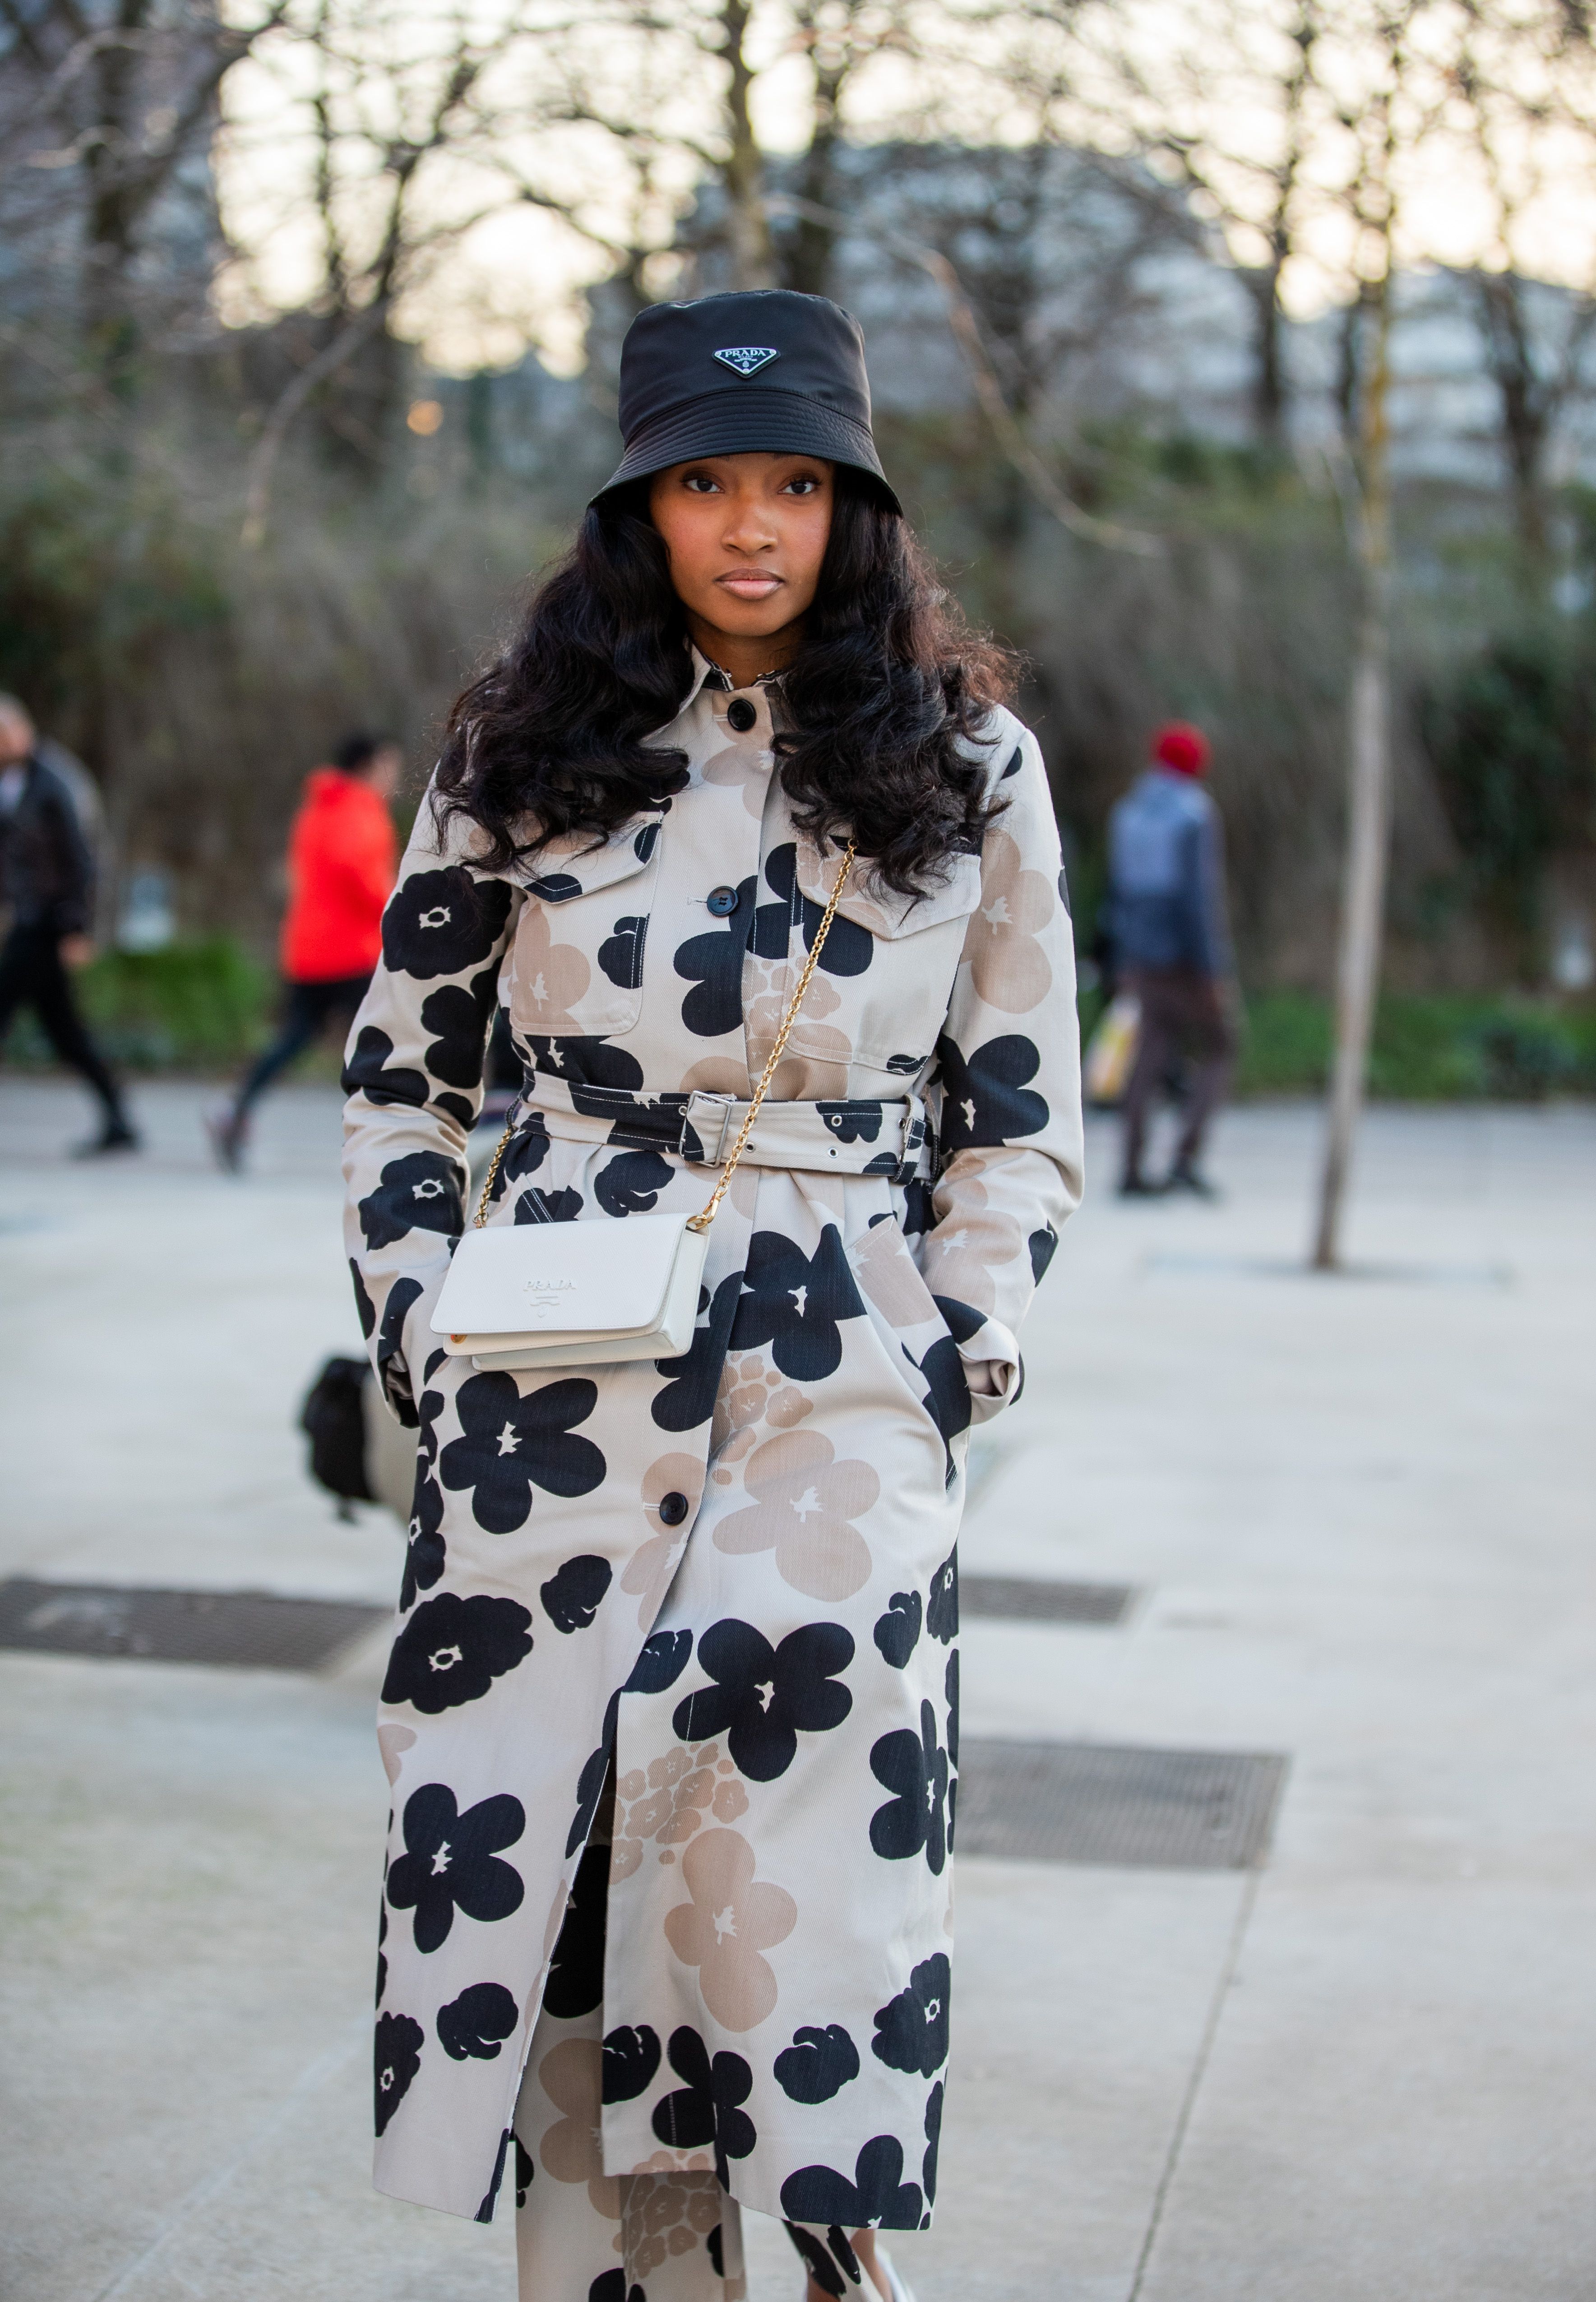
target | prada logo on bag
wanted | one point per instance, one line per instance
(746, 357)
(549, 1286)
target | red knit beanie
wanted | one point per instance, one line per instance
(1182, 747)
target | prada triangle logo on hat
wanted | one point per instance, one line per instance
(701, 379)
(746, 357)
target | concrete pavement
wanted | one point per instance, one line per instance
(1359, 1509)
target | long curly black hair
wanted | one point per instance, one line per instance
(549, 740)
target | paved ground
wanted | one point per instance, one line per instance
(1359, 1511)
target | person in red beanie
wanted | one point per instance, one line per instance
(342, 860)
(1170, 944)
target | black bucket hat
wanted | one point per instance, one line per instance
(728, 374)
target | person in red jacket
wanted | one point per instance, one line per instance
(342, 860)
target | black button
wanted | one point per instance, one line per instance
(673, 1509)
(722, 901)
(740, 714)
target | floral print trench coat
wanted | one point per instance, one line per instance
(730, 1575)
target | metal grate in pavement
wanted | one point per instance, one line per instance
(1021, 1598)
(1094, 1803)
(253, 1629)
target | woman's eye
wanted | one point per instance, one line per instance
(699, 484)
(804, 485)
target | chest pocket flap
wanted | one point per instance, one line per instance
(890, 916)
(576, 967)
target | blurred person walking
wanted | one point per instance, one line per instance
(1170, 943)
(47, 892)
(342, 857)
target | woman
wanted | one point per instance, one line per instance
(671, 1716)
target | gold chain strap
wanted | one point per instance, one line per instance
(705, 1214)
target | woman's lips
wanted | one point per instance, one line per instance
(751, 585)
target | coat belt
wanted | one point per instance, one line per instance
(848, 1136)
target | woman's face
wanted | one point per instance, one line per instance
(745, 536)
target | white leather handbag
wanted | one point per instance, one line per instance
(579, 1294)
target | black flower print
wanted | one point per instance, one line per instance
(391, 1336)
(950, 1687)
(576, 1983)
(571, 1597)
(646, 840)
(484, 2213)
(525, 2169)
(947, 1394)
(877, 2197)
(1015, 761)
(1041, 1244)
(365, 1310)
(818, 2064)
(509, 1444)
(793, 1302)
(443, 922)
(477, 2022)
(851, 1122)
(419, 1192)
(713, 964)
(920, 1213)
(687, 1397)
(426, 1552)
(620, 955)
(914, 1767)
(586, 1063)
(398, 2044)
(631, 2058)
(632, 1183)
(764, 1695)
(458, 1019)
(452, 1649)
(817, 2259)
(985, 1100)
(451, 1861)
(927, 2172)
(610, 2286)
(709, 2108)
(524, 1155)
(912, 2028)
(897, 1632)
(664, 1658)
(366, 1073)
(536, 1206)
(942, 1609)
(849, 948)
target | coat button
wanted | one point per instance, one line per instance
(722, 901)
(740, 714)
(673, 1509)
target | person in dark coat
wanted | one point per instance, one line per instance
(47, 892)
(1170, 942)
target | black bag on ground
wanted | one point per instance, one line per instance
(334, 1419)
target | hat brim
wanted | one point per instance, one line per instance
(746, 423)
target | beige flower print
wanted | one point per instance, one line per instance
(889, 1276)
(1010, 968)
(549, 977)
(804, 1503)
(959, 1262)
(652, 1563)
(669, 1800)
(729, 1922)
(751, 770)
(571, 2074)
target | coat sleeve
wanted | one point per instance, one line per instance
(1005, 1091)
(413, 1072)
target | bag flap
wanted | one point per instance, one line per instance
(571, 866)
(575, 1278)
(885, 914)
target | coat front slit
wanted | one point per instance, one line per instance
(731, 1577)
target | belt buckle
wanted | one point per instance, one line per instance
(913, 1138)
(702, 1104)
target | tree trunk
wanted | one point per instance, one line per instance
(1262, 285)
(1369, 776)
(743, 174)
(1526, 410)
